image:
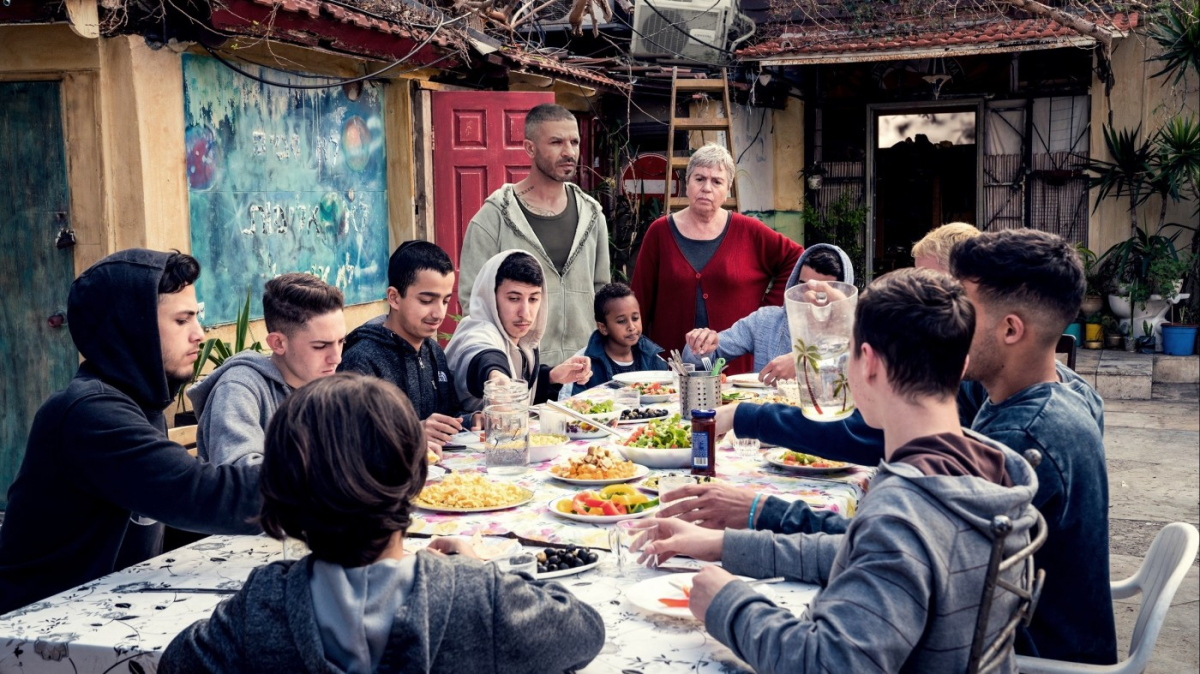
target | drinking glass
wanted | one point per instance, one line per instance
(789, 389)
(626, 399)
(497, 392)
(821, 320)
(672, 482)
(507, 448)
(522, 562)
(623, 536)
(746, 448)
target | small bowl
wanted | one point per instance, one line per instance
(545, 450)
(658, 458)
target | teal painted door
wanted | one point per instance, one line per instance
(37, 359)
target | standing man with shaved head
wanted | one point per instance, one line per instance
(553, 220)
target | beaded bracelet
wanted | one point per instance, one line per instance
(753, 507)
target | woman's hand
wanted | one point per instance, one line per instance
(780, 367)
(702, 341)
(574, 370)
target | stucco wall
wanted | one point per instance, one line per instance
(124, 133)
(1136, 99)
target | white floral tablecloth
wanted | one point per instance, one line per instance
(113, 626)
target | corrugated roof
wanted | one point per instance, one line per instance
(997, 33)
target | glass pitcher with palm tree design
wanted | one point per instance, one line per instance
(821, 321)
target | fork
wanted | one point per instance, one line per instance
(707, 363)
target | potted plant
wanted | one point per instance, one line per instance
(1179, 337)
(1146, 343)
(217, 351)
(1093, 300)
(1093, 331)
(1112, 332)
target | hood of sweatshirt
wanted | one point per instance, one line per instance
(259, 362)
(976, 500)
(483, 331)
(112, 312)
(354, 609)
(848, 269)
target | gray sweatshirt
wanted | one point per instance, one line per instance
(901, 587)
(233, 406)
(433, 614)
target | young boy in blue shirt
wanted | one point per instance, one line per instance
(618, 345)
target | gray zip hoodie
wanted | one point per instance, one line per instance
(901, 587)
(233, 406)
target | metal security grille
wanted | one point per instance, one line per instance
(1034, 153)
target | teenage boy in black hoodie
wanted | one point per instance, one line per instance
(402, 347)
(98, 461)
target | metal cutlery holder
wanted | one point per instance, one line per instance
(699, 391)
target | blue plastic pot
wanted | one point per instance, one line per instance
(1178, 340)
(1076, 331)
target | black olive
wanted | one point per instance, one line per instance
(541, 568)
(551, 567)
(592, 557)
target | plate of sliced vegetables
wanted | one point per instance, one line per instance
(805, 464)
(668, 595)
(614, 503)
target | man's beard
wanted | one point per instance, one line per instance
(549, 169)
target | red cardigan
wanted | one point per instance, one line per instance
(749, 259)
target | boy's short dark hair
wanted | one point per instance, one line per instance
(546, 112)
(1027, 271)
(921, 323)
(521, 268)
(180, 271)
(827, 262)
(412, 258)
(612, 291)
(291, 300)
(343, 458)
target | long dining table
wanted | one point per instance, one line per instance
(122, 622)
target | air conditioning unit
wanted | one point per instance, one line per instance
(682, 27)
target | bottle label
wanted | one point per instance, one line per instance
(700, 450)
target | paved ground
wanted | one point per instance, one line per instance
(1153, 451)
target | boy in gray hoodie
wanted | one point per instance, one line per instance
(346, 457)
(902, 584)
(234, 403)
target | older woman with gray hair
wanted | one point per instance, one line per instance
(706, 267)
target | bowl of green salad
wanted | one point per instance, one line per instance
(662, 443)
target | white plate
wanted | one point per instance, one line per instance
(645, 377)
(776, 459)
(651, 484)
(747, 380)
(567, 572)
(634, 422)
(652, 400)
(526, 497)
(645, 595)
(638, 473)
(597, 519)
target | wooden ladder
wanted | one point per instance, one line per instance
(701, 124)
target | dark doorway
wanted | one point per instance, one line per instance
(925, 177)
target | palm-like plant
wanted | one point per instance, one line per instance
(1128, 174)
(217, 351)
(1177, 32)
(841, 387)
(806, 359)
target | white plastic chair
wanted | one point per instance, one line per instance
(1157, 579)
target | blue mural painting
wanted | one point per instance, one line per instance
(282, 180)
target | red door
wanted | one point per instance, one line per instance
(477, 147)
